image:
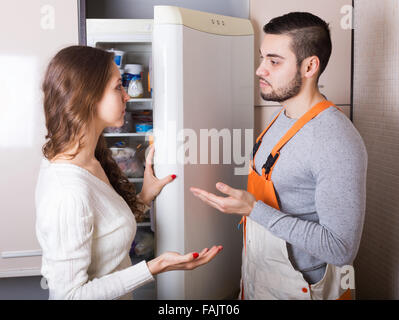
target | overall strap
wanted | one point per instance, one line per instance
(309, 115)
(260, 137)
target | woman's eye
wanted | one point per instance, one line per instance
(119, 86)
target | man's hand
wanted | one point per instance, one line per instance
(239, 201)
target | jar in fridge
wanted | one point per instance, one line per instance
(132, 80)
(118, 56)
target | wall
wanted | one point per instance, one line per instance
(376, 116)
(143, 9)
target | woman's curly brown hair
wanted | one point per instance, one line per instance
(74, 83)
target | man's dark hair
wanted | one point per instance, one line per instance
(310, 35)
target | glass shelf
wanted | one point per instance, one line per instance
(136, 179)
(139, 104)
(140, 100)
(129, 134)
(144, 224)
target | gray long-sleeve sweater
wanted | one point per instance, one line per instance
(320, 180)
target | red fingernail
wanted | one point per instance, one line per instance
(220, 248)
(173, 176)
(195, 255)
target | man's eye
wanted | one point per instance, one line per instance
(273, 62)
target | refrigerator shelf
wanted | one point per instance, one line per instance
(140, 100)
(139, 104)
(143, 224)
(136, 179)
(137, 134)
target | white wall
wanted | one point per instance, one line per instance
(143, 9)
(376, 116)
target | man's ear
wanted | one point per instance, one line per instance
(310, 67)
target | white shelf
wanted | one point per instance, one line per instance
(138, 134)
(144, 224)
(136, 179)
(133, 100)
(139, 104)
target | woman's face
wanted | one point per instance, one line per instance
(111, 108)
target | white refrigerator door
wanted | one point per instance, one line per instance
(203, 80)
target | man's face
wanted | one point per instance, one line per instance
(279, 77)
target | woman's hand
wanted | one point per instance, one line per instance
(152, 186)
(174, 261)
(239, 201)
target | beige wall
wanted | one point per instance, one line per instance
(335, 82)
(32, 32)
(376, 116)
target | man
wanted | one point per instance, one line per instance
(304, 209)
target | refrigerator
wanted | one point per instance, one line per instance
(197, 76)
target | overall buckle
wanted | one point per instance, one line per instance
(255, 148)
(270, 162)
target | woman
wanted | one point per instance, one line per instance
(85, 206)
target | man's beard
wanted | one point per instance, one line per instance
(285, 93)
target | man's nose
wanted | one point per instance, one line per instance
(262, 71)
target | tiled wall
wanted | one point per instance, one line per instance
(376, 116)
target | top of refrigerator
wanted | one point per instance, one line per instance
(202, 21)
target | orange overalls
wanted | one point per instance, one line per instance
(273, 276)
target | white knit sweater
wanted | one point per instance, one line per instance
(85, 230)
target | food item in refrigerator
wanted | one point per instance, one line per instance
(118, 56)
(129, 160)
(143, 127)
(129, 71)
(142, 120)
(127, 126)
(144, 243)
(132, 80)
(135, 89)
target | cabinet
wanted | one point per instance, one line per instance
(335, 82)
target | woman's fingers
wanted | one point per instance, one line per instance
(150, 156)
(168, 179)
(193, 260)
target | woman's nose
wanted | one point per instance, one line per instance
(126, 97)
